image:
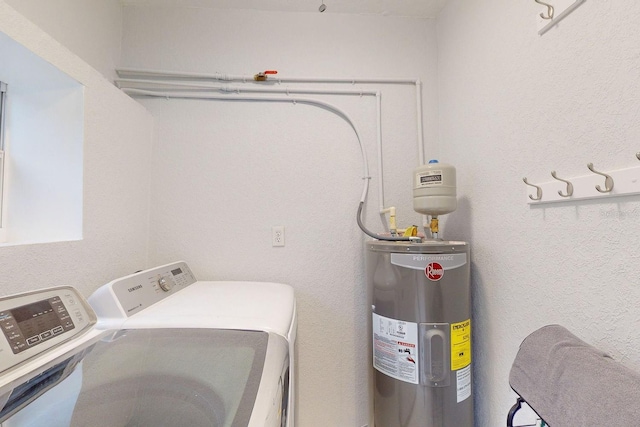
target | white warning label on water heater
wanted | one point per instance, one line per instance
(463, 384)
(395, 348)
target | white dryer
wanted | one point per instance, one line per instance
(166, 350)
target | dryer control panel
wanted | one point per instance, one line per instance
(34, 322)
(131, 294)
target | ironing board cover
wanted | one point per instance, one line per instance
(572, 384)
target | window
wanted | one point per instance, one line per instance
(42, 149)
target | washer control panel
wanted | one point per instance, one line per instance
(129, 295)
(34, 322)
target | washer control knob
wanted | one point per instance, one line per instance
(165, 284)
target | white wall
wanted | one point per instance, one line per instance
(117, 143)
(224, 173)
(514, 104)
(90, 29)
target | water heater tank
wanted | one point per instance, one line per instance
(421, 333)
(434, 189)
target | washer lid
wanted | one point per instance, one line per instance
(257, 306)
(147, 377)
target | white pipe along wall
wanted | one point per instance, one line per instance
(315, 102)
(366, 177)
(152, 81)
(226, 172)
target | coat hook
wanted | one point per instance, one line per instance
(550, 10)
(638, 155)
(538, 190)
(569, 185)
(608, 182)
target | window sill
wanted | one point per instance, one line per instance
(4, 244)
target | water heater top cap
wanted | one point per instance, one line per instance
(434, 189)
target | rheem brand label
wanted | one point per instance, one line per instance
(434, 271)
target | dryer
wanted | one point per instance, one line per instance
(161, 349)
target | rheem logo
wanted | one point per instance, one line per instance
(434, 271)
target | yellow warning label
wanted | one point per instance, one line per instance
(460, 345)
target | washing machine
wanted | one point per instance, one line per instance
(156, 348)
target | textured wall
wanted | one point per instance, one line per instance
(117, 144)
(90, 29)
(224, 173)
(514, 104)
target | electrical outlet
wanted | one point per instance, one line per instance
(277, 235)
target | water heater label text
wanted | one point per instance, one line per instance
(422, 261)
(395, 348)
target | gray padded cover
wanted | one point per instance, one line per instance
(570, 383)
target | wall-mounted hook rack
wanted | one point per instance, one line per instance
(623, 182)
(561, 8)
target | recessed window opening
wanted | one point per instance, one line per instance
(41, 149)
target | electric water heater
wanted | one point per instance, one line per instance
(421, 333)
